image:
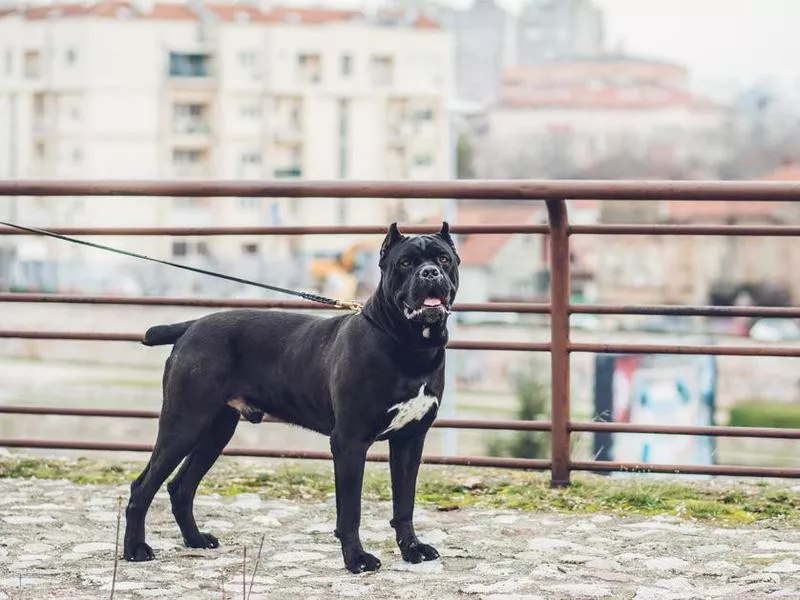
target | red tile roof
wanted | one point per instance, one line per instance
(788, 172)
(479, 250)
(697, 209)
(105, 9)
(169, 11)
(310, 16)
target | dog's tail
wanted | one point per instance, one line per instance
(161, 335)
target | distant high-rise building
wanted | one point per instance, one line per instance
(559, 29)
(482, 38)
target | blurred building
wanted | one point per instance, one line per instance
(569, 117)
(484, 38)
(118, 89)
(683, 269)
(549, 29)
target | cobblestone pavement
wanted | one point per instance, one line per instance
(57, 541)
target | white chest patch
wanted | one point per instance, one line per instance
(413, 409)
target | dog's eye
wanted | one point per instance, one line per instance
(443, 259)
(405, 263)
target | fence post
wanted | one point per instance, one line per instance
(559, 342)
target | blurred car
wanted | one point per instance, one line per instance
(775, 330)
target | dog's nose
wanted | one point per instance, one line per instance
(430, 272)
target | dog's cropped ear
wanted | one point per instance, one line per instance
(392, 237)
(444, 233)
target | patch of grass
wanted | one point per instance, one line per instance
(81, 471)
(448, 488)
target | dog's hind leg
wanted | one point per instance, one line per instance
(170, 449)
(183, 486)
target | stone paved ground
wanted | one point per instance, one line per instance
(57, 541)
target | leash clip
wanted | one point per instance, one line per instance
(349, 305)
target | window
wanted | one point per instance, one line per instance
(202, 249)
(189, 163)
(250, 248)
(185, 157)
(249, 203)
(423, 160)
(250, 111)
(250, 158)
(190, 118)
(347, 65)
(189, 65)
(382, 70)
(344, 135)
(187, 202)
(179, 249)
(32, 64)
(247, 58)
(309, 68)
(71, 56)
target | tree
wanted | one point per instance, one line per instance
(533, 403)
(465, 158)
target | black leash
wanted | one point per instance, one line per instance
(343, 304)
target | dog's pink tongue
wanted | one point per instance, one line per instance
(432, 302)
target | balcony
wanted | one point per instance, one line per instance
(191, 127)
(288, 172)
(309, 69)
(288, 134)
(193, 70)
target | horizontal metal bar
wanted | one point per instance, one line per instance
(478, 461)
(602, 229)
(463, 344)
(731, 470)
(672, 229)
(492, 307)
(493, 424)
(474, 461)
(137, 337)
(508, 425)
(258, 231)
(721, 350)
(467, 189)
(87, 336)
(687, 311)
(711, 430)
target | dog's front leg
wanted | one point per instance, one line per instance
(404, 458)
(348, 465)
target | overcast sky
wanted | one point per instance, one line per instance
(722, 41)
(735, 40)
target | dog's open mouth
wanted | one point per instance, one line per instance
(430, 306)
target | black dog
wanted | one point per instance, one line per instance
(373, 375)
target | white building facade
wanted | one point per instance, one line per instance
(174, 91)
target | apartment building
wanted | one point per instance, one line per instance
(567, 116)
(146, 90)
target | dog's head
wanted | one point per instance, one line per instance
(419, 274)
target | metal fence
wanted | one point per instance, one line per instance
(559, 231)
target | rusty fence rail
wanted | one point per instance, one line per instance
(560, 347)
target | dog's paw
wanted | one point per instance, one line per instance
(140, 552)
(360, 562)
(418, 552)
(253, 415)
(201, 540)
